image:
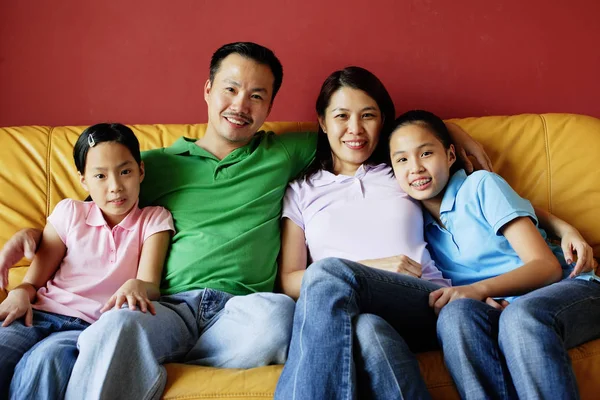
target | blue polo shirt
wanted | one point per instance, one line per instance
(474, 209)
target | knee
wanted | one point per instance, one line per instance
(457, 318)
(327, 271)
(523, 318)
(114, 323)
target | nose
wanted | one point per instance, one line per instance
(355, 126)
(415, 165)
(114, 184)
(240, 103)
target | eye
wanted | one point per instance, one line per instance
(99, 176)
(230, 89)
(369, 115)
(426, 153)
(340, 116)
(126, 172)
(401, 160)
(256, 97)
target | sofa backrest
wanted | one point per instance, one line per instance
(551, 159)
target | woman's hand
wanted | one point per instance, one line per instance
(15, 306)
(401, 264)
(133, 292)
(439, 298)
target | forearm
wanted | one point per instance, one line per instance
(530, 276)
(552, 224)
(291, 283)
(29, 289)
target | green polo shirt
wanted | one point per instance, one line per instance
(226, 212)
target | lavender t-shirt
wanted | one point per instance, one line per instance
(360, 217)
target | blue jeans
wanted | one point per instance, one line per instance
(524, 348)
(120, 356)
(38, 359)
(355, 331)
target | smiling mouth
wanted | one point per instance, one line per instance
(118, 201)
(355, 144)
(420, 182)
(238, 120)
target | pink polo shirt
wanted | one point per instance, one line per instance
(99, 259)
(360, 217)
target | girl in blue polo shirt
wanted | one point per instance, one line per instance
(485, 238)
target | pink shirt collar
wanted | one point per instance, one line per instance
(95, 217)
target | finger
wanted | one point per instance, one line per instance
(442, 301)
(109, 304)
(29, 317)
(568, 253)
(9, 318)
(131, 301)
(151, 308)
(404, 270)
(504, 303)
(434, 296)
(491, 302)
(120, 300)
(415, 267)
(142, 304)
(466, 161)
(485, 161)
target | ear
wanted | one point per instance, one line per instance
(451, 155)
(322, 124)
(82, 181)
(142, 171)
(207, 87)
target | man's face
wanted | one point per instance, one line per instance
(239, 99)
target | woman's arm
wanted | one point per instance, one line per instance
(145, 287)
(293, 258)
(540, 267)
(571, 241)
(467, 146)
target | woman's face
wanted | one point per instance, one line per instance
(352, 123)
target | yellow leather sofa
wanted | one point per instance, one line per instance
(551, 159)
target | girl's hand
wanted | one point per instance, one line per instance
(15, 306)
(439, 298)
(132, 292)
(572, 242)
(500, 304)
(401, 264)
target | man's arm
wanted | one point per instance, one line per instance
(467, 146)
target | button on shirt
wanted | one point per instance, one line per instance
(365, 216)
(98, 259)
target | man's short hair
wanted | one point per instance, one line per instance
(253, 51)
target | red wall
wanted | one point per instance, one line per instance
(78, 62)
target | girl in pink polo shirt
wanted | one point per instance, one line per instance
(93, 256)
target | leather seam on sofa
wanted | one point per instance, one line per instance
(547, 148)
(48, 165)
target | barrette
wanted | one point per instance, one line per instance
(91, 141)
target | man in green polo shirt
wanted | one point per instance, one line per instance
(224, 192)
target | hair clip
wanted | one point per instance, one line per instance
(91, 141)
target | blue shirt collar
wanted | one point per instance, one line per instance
(452, 188)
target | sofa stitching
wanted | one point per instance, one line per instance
(547, 146)
(48, 186)
(221, 395)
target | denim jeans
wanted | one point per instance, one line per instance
(521, 351)
(38, 359)
(355, 331)
(120, 356)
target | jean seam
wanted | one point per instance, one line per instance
(349, 356)
(387, 361)
(498, 358)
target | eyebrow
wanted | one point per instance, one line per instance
(237, 84)
(118, 166)
(370, 108)
(418, 147)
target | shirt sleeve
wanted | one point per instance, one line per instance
(157, 219)
(61, 218)
(291, 206)
(301, 147)
(500, 204)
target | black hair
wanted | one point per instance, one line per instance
(360, 79)
(433, 124)
(104, 132)
(253, 51)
